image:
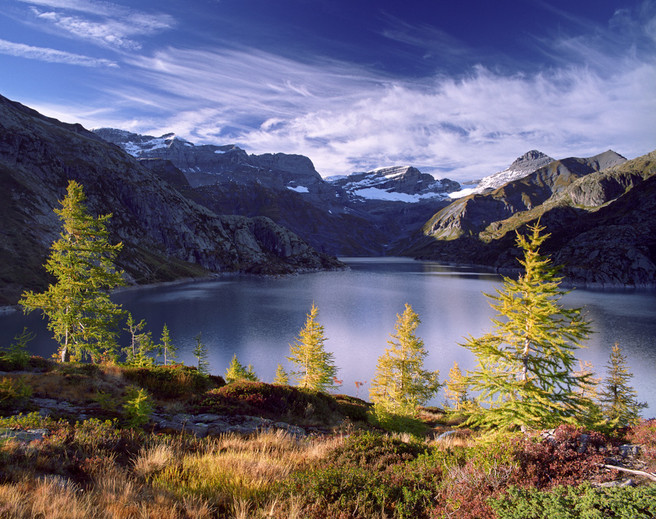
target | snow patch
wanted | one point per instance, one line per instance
(373, 193)
(299, 189)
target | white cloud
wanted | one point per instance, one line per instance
(347, 118)
(103, 23)
(52, 55)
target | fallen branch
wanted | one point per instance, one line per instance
(631, 471)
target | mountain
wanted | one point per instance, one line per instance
(398, 184)
(600, 211)
(520, 168)
(471, 214)
(208, 164)
(363, 214)
(165, 235)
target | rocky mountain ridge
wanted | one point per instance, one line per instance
(363, 215)
(600, 212)
(473, 213)
(165, 235)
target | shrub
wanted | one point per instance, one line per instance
(645, 434)
(137, 407)
(392, 422)
(16, 356)
(29, 421)
(296, 405)
(368, 476)
(171, 381)
(569, 458)
(577, 502)
(14, 393)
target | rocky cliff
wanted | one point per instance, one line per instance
(165, 235)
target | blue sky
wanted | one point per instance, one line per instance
(457, 89)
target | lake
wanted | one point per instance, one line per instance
(257, 318)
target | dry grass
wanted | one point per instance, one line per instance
(73, 388)
(51, 498)
(236, 475)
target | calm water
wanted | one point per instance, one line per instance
(258, 318)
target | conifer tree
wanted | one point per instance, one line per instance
(81, 316)
(456, 387)
(281, 377)
(619, 400)
(401, 384)
(166, 347)
(200, 352)
(236, 371)
(141, 344)
(315, 366)
(525, 365)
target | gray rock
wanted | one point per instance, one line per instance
(27, 436)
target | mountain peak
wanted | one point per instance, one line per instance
(529, 159)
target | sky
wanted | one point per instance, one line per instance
(456, 89)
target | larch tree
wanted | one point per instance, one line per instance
(141, 344)
(401, 384)
(236, 371)
(166, 348)
(619, 400)
(81, 316)
(200, 352)
(525, 366)
(281, 378)
(315, 367)
(456, 388)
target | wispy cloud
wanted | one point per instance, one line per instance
(348, 118)
(102, 23)
(52, 55)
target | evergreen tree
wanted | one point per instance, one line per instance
(141, 344)
(525, 365)
(236, 371)
(315, 367)
(200, 352)
(81, 316)
(281, 377)
(401, 384)
(166, 347)
(456, 388)
(619, 401)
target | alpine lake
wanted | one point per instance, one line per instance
(257, 318)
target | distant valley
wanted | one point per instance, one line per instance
(185, 210)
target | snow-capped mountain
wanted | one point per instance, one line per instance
(397, 184)
(520, 168)
(208, 164)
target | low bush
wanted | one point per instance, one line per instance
(295, 405)
(570, 457)
(577, 502)
(14, 394)
(645, 434)
(171, 381)
(370, 475)
(138, 407)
